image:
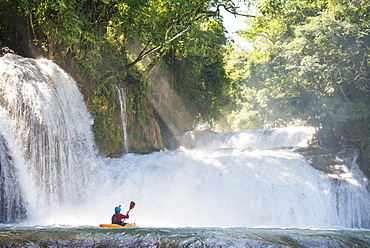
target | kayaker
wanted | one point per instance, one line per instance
(118, 217)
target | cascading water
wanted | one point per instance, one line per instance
(47, 139)
(12, 208)
(122, 101)
(248, 179)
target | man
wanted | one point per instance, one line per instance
(117, 217)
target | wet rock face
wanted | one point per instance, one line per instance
(5, 50)
(330, 163)
(335, 160)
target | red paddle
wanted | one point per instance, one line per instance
(132, 205)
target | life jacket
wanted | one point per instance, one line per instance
(115, 219)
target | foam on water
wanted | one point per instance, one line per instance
(233, 187)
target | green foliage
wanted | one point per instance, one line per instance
(277, 19)
(94, 37)
(329, 55)
(317, 63)
(198, 69)
(311, 58)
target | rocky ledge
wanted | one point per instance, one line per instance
(336, 160)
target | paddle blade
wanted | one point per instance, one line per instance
(132, 205)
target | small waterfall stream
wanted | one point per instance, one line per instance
(122, 101)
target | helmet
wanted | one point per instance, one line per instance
(117, 209)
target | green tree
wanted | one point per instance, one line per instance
(312, 58)
(317, 60)
(94, 39)
(198, 68)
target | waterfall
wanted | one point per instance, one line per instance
(47, 147)
(122, 101)
(251, 178)
(51, 174)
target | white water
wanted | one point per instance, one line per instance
(249, 178)
(237, 187)
(46, 128)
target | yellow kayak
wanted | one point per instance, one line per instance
(116, 225)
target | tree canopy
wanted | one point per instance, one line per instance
(309, 62)
(97, 37)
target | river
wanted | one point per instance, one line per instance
(37, 236)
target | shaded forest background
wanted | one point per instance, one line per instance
(308, 65)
